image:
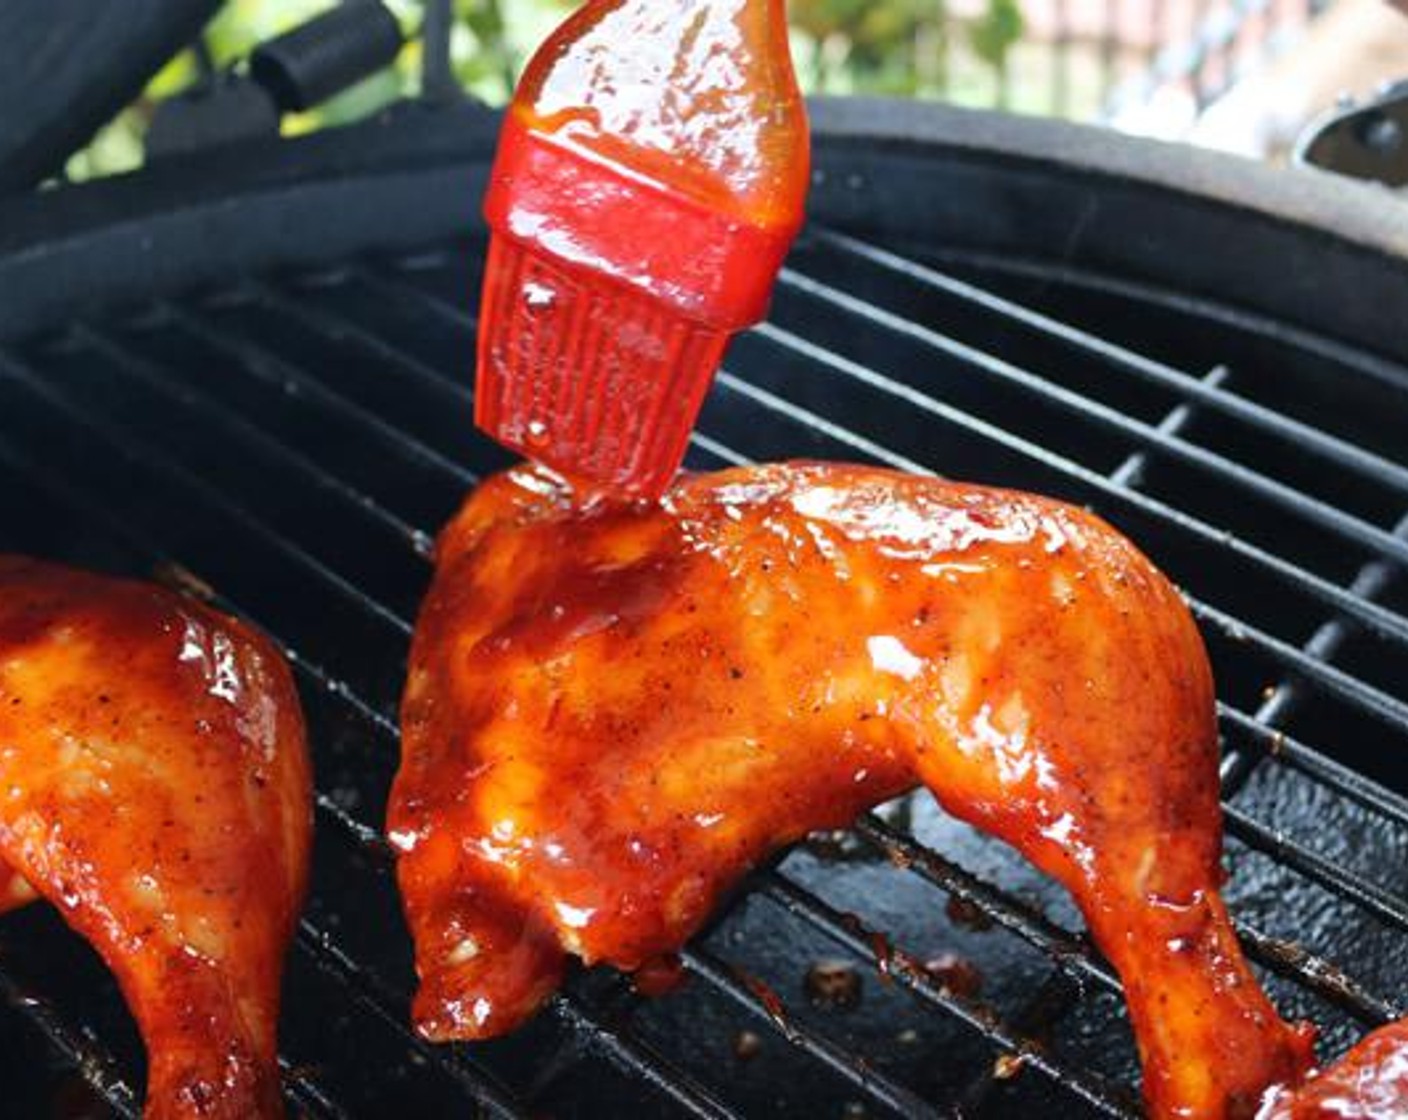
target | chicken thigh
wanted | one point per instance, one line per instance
(156, 789)
(615, 709)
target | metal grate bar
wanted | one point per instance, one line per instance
(312, 1098)
(1074, 954)
(1360, 1002)
(1388, 375)
(638, 1058)
(722, 452)
(633, 1055)
(1131, 472)
(1288, 498)
(1372, 580)
(1208, 394)
(94, 1062)
(1296, 657)
(724, 978)
(1070, 951)
(1054, 999)
(1377, 618)
(244, 432)
(1334, 775)
(845, 930)
(269, 367)
(679, 1083)
(1333, 984)
(1334, 681)
(19, 373)
(1385, 905)
(331, 325)
(366, 989)
(1388, 709)
(371, 993)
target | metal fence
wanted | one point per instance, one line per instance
(1081, 59)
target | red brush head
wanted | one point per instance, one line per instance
(642, 200)
(587, 375)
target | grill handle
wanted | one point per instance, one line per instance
(324, 56)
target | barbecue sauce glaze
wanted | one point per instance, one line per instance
(154, 786)
(650, 177)
(691, 106)
(615, 709)
(1368, 1083)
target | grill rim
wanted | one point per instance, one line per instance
(200, 204)
(1342, 209)
(329, 195)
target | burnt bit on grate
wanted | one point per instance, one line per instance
(955, 974)
(967, 914)
(832, 984)
(659, 977)
(747, 1045)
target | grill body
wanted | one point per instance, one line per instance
(251, 375)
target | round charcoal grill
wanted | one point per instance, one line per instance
(250, 374)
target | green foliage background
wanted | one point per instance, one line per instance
(897, 47)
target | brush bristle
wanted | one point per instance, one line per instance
(587, 375)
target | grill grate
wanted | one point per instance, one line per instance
(291, 441)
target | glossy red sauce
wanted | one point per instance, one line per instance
(650, 177)
(157, 791)
(1368, 1083)
(616, 709)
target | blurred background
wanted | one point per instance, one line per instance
(1244, 76)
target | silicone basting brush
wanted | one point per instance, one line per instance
(650, 177)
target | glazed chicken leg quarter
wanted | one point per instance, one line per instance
(614, 710)
(156, 790)
(1368, 1083)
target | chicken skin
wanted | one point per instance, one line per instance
(1368, 1083)
(614, 710)
(156, 790)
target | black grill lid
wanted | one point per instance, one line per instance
(256, 375)
(67, 66)
(1301, 245)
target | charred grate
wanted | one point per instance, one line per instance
(287, 443)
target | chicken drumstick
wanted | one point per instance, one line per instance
(1368, 1083)
(156, 790)
(614, 710)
